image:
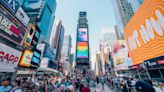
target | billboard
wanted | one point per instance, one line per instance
(120, 56)
(82, 34)
(10, 28)
(82, 50)
(13, 5)
(9, 58)
(26, 58)
(22, 16)
(145, 32)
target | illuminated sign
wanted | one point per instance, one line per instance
(9, 58)
(10, 28)
(13, 5)
(82, 34)
(145, 32)
(26, 58)
(82, 50)
(29, 36)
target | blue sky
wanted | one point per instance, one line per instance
(99, 14)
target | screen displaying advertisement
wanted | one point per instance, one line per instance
(36, 36)
(13, 5)
(36, 57)
(82, 34)
(44, 63)
(10, 28)
(9, 58)
(120, 56)
(145, 32)
(26, 58)
(82, 50)
(29, 35)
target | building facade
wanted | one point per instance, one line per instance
(41, 12)
(66, 49)
(123, 13)
(82, 41)
(135, 4)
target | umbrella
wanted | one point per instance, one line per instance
(143, 85)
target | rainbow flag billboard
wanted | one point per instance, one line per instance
(82, 48)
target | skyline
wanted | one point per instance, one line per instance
(98, 18)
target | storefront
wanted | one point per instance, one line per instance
(9, 59)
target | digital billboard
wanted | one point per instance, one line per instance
(26, 58)
(10, 28)
(82, 34)
(82, 50)
(145, 32)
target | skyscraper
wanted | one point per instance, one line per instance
(82, 41)
(123, 13)
(135, 4)
(66, 49)
(41, 12)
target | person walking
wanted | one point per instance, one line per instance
(85, 88)
(102, 82)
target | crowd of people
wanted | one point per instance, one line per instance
(49, 83)
(127, 84)
(45, 84)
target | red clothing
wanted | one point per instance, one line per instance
(85, 89)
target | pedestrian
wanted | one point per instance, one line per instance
(123, 86)
(85, 88)
(16, 86)
(97, 80)
(102, 82)
(5, 85)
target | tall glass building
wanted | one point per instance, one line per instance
(135, 4)
(123, 13)
(41, 12)
(66, 49)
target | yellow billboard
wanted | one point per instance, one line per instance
(145, 32)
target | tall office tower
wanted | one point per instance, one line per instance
(135, 4)
(123, 13)
(82, 42)
(66, 49)
(41, 12)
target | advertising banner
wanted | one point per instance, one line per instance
(44, 62)
(9, 58)
(36, 58)
(120, 56)
(22, 16)
(82, 34)
(29, 35)
(26, 58)
(10, 28)
(82, 50)
(36, 36)
(145, 32)
(13, 5)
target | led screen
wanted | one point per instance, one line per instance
(82, 50)
(82, 34)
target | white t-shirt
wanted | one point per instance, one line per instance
(157, 89)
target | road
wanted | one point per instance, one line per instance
(106, 89)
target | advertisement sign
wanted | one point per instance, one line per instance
(120, 56)
(13, 5)
(36, 36)
(29, 36)
(82, 50)
(145, 32)
(9, 58)
(82, 34)
(11, 29)
(26, 58)
(22, 16)
(44, 62)
(36, 57)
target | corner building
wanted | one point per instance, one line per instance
(82, 42)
